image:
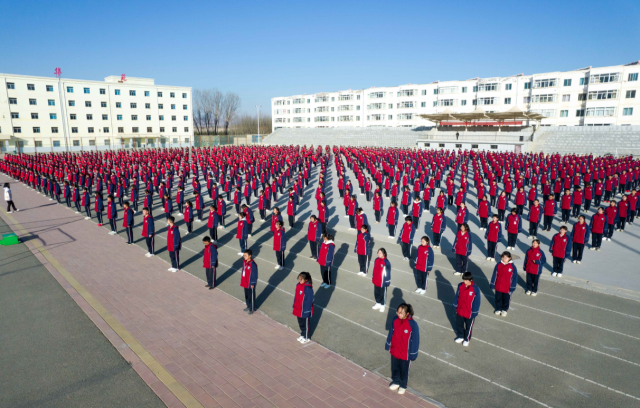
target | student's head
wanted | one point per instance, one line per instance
(145, 210)
(439, 210)
(581, 219)
(464, 227)
(276, 210)
(247, 255)
(125, 204)
(171, 220)
(425, 240)
(393, 204)
(206, 240)
(382, 253)
(110, 197)
(328, 237)
(536, 202)
(364, 228)
(462, 205)
(514, 211)
(359, 210)
(467, 278)
(506, 257)
(305, 277)
(484, 198)
(189, 203)
(313, 218)
(407, 219)
(279, 224)
(563, 230)
(404, 311)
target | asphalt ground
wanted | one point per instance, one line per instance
(52, 353)
(567, 347)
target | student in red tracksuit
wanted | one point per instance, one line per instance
(438, 225)
(493, 235)
(378, 206)
(403, 342)
(423, 264)
(210, 262)
(623, 213)
(406, 237)
(303, 305)
(534, 261)
(148, 231)
(279, 244)
(598, 227)
(222, 210)
(483, 212)
(392, 218)
(212, 223)
(242, 233)
(314, 236)
(550, 210)
(612, 219)
(535, 214)
(504, 281)
(467, 305)
(188, 216)
(462, 247)
(325, 259)
(559, 249)
(362, 249)
(174, 244)
(381, 279)
(249, 280)
(112, 214)
(565, 206)
(513, 227)
(127, 221)
(579, 237)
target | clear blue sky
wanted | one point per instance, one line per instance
(277, 48)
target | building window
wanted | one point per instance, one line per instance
(463, 102)
(76, 142)
(184, 107)
(172, 95)
(31, 87)
(13, 101)
(72, 103)
(32, 102)
(175, 140)
(464, 89)
(567, 82)
(161, 129)
(36, 130)
(173, 106)
(147, 106)
(72, 116)
(92, 142)
(34, 116)
(582, 97)
(149, 130)
(103, 91)
(458, 146)
(161, 117)
(87, 104)
(600, 95)
(440, 144)
(120, 130)
(90, 130)
(507, 101)
(103, 104)
(174, 129)
(633, 77)
(89, 116)
(604, 78)
(51, 102)
(106, 141)
(630, 94)
(49, 88)
(148, 117)
(507, 87)
(173, 118)
(105, 130)
(69, 89)
(474, 146)
(56, 143)
(74, 130)
(527, 85)
(566, 98)
(53, 116)
(132, 93)
(584, 80)
(186, 118)
(117, 92)
(54, 130)
(564, 113)
(133, 105)
(475, 88)
(160, 106)
(184, 96)
(494, 147)
(159, 94)
(134, 130)
(546, 98)
(38, 143)
(86, 90)
(118, 117)
(146, 93)
(11, 85)
(17, 129)
(15, 115)
(186, 140)
(627, 112)
(134, 117)
(105, 117)
(601, 111)
(118, 105)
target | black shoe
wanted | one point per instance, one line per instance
(250, 312)
(207, 286)
(211, 287)
(246, 309)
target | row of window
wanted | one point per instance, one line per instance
(36, 129)
(87, 104)
(103, 91)
(92, 142)
(73, 116)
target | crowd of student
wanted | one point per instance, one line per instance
(408, 179)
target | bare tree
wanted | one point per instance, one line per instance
(216, 103)
(207, 110)
(230, 107)
(198, 109)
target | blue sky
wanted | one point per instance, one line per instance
(277, 48)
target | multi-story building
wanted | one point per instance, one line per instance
(51, 114)
(583, 97)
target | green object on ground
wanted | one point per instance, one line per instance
(9, 239)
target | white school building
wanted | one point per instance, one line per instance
(583, 97)
(41, 114)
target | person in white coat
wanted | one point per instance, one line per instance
(8, 198)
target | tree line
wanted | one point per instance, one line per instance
(215, 113)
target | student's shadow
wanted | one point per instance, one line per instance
(446, 294)
(392, 304)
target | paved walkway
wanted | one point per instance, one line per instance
(194, 347)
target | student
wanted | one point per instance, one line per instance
(361, 219)
(378, 206)
(237, 198)
(199, 206)
(77, 198)
(222, 211)
(504, 281)
(98, 206)
(325, 259)
(514, 226)
(577, 202)
(212, 223)
(148, 232)
(86, 203)
(403, 343)
(210, 262)
(174, 244)
(623, 213)
(502, 205)
(463, 215)
(423, 264)
(493, 235)
(467, 305)
(381, 278)
(249, 217)
(314, 236)
(363, 239)
(322, 215)
(279, 244)
(168, 206)
(612, 218)
(392, 218)
(462, 246)
(405, 201)
(67, 193)
(134, 199)
(416, 210)
(579, 237)
(112, 214)
(598, 228)
(550, 210)
(127, 221)
(484, 209)
(148, 202)
(534, 261)
(534, 218)
(188, 216)
(303, 305)
(406, 237)
(291, 211)
(180, 200)
(262, 205)
(565, 206)
(520, 198)
(438, 225)
(242, 233)
(351, 212)
(559, 249)
(249, 280)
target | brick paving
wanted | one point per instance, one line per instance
(222, 356)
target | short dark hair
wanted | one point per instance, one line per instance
(467, 276)
(172, 219)
(206, 239)
(507, 254)
(145, 208)
(426, 238)
(248, 252)
(408, 309)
